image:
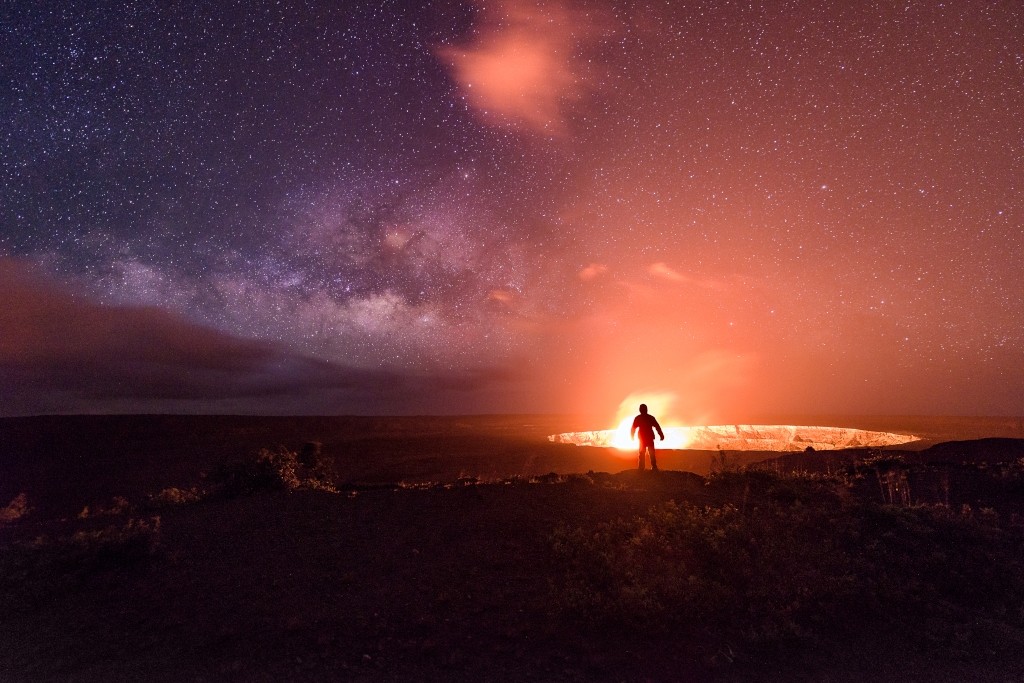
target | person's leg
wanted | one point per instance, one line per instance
(654, 459)
(640, 455)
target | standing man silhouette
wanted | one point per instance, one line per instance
(646, 424)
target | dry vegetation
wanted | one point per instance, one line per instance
(277, 564)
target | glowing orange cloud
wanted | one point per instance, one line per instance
(663, 271)
(592, 271)
(500, 295)
(523, 67)
(701, 384)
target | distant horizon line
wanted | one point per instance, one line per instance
(582, 416)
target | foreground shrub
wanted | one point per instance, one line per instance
(15, 510)
(118, 506)
(172, 496)
(31, 571)
(277, 469)
(794, 567)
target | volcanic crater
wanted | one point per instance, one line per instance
(748, 438)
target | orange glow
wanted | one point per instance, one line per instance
(740, 438)
(501, 295)
(664, 271)
(736, 437)
(618, 437)
(649, 329)
(522, 67)
(675, 437)
(592, 271)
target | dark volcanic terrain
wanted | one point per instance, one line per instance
(170, 548)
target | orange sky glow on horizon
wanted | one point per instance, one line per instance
(733, 209)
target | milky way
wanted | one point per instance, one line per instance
(325, 207)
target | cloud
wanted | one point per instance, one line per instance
(66, 353)
(55, 343)
(523, 65)
(593, 271)
(663, 271)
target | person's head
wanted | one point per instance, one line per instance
(643, 408)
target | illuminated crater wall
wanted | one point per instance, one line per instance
(744, 438)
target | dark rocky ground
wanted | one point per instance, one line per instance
(433, 556)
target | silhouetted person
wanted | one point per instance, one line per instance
(645, 425)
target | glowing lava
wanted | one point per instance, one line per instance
(741, 438)
(675, 437)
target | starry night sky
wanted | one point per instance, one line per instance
(806, 206)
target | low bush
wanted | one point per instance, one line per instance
(32, 571)
(15, 510)
(793, 565)
(277, 469)
(117, 507)
(172, 496)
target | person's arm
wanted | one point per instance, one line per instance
(632, 430)
(658, 427)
